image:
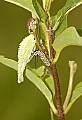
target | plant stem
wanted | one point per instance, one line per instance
(55, 74)
(57, 92)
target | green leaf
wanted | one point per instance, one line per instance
(30, 75)
(26, 4)
(39, 10)
(53, 19)
(50, 83)
(33, 78)
(52, 114)
(69, 6)
(43, 35)
(42, 87)
(44, 2)
(76, 94)
(41, 32)
(47, 4)
(40, 84)
(8, 62)
(26, 48)
(66, 38)
(39, 71)
(62, 26)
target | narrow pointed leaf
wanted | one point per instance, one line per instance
(8, 62)
(39, 71)
(76, 94)
(43, 35)
(50, 83)
(39, 10)
(30, 75)
(47, 4)
(77, 91)
(69, 6)
(26, 48)
(26, 4)
(66, 38)
(40, 84)
(62, 26)
(52, 114)
(44, 2)
(33, 78)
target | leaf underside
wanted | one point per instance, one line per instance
(66, 38)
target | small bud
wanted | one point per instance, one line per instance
(31, 25)
(73, 66)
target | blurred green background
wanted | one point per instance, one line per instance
(24, 101)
